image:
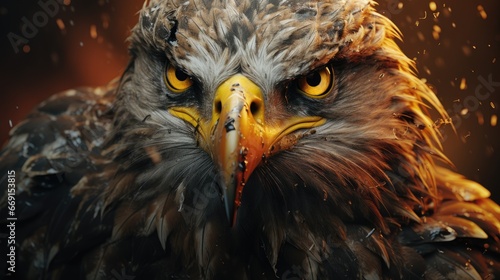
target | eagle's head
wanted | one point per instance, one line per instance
(254, 116)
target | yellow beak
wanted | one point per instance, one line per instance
(237, 136)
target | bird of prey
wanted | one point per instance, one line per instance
(270, 139)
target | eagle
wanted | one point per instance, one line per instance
(270, 139)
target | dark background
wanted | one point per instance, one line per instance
(456, 45)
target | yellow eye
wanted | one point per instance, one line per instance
(317, 83)
(177, 80)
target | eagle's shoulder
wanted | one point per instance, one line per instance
(53, 150)
(459, 236)
(58, 137)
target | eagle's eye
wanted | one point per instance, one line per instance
(317, 83)
(176, 79)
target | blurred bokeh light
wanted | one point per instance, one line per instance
(456, 45)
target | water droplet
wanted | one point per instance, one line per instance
(463, 84)
(229, 124)
(105, 21)
(480, 118)
(370, 233)
(425, 15)
(421, 36)
(432, 6)
(242, 165)
(60, 24)
(181, 202)
(466, 50)
(93, 31)
(482, 12)
(493, 120)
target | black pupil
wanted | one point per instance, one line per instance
(180, 75)
(313, 79)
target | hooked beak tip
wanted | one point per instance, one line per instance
(228, 193)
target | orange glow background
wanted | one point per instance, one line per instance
(84, 44)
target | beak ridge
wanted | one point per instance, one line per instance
(236, 121)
